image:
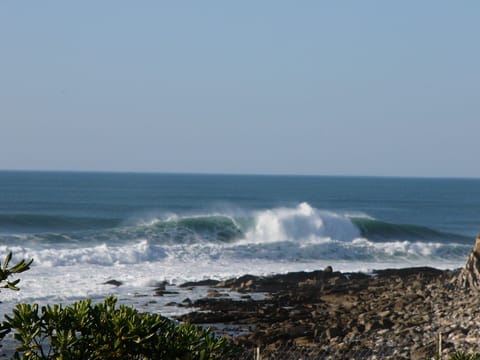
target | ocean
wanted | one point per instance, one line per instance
(84, 229)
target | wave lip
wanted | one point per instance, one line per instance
(301, 223)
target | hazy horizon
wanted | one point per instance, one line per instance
(120, 172)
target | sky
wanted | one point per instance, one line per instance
(371, 88)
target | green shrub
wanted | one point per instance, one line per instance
(460, 355)
(105, 331)
(6, 272)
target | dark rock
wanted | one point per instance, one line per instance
(386, 323)
(344, 315)
(137, 295)
(199, 283)
(187, 301)
(373, 325)
(422, 272)
(160, 285)
(333, 332)
(159, 292)
(113, 282)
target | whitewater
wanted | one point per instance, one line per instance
(83, 230)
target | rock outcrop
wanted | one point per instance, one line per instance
(392, 313)
(469, 277)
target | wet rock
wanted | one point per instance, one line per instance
(113, 282)
(199, 283)
(396, 313)
(160, 292)
(187, 301)
(160, 285)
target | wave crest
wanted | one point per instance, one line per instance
(301, 223)
(283, 234)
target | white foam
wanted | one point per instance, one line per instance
(102, 254)
(283, 239)
(66, 283)
(301, 223)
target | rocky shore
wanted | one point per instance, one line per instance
(395, 313)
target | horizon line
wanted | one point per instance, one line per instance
(153, 172)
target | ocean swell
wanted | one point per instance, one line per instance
(285, 234)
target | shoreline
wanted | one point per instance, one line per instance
(389, 313)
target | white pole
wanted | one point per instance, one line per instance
(440, 345)
(257, 354)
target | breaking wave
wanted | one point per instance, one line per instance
(283, 234)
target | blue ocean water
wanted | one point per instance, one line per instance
(89, 227)
(66, 208)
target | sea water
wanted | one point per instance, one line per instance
(83, 229)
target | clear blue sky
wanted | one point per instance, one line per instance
(290, 87)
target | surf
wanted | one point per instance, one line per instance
(299, 233)
(299, 223)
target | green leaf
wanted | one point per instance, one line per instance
(7, 260)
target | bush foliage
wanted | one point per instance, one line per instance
(460, 355)
(83, 330)
(104, 331)
(6, 272)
